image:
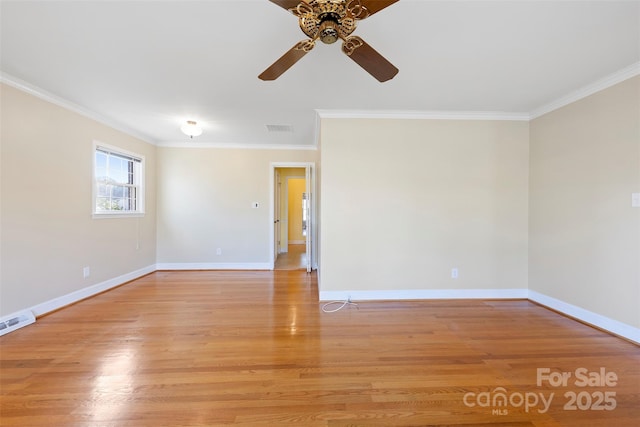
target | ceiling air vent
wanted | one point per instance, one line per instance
(16, 321)
(280, 128)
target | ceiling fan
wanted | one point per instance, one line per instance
(330, 20)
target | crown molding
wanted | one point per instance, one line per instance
(231, 145)
(19, 84)
(422, 115)
(604, 83)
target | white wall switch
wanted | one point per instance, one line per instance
(86, 272)
(635, 200)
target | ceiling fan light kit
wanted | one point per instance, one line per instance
(330, 21)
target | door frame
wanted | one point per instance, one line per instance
(277, 215)
(310, 167)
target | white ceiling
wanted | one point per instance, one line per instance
(147, 66)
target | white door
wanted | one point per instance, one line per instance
(307, 214)
(276, 217)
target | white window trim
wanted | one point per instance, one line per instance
(94, 189)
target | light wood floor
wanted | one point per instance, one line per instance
(255, 348)
(294, 259)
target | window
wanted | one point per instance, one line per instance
(118, 182)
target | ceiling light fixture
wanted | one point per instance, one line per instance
(191, 129)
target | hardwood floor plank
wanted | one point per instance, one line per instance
(254, 348)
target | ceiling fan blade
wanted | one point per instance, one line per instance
(373, 6)
(287, 4)
(287, 60)
(369, 59)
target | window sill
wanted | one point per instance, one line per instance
(107, 215)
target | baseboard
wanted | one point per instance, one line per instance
(586, 316)
(214, 266)
(84, 293)
(417, 294)
(89, 291)
(613, 326)
(602, 322)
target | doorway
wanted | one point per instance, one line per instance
(292, 211)
(291, 236)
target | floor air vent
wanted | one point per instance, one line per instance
(16, 321)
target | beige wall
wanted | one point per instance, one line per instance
(295, 189)
(204, 203)
(404, 201)
(584, 234)
(48, 234)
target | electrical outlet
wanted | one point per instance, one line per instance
(219, 251)
(454, 273)
(635, 200)
(86, 272)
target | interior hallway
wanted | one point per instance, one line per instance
(295, 259)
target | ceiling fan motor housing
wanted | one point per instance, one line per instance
(328, 20)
